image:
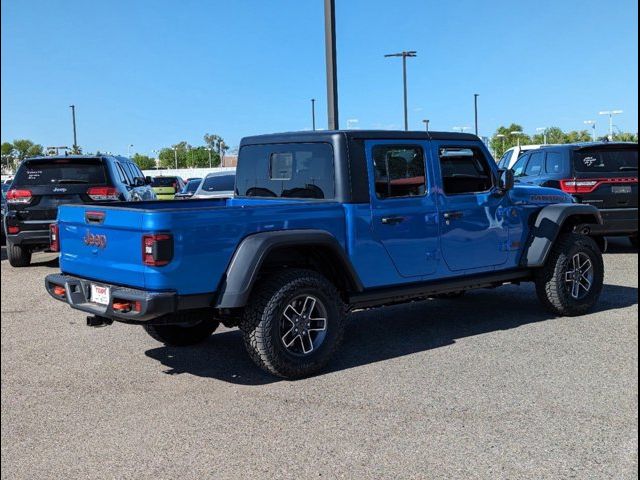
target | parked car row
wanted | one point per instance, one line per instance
(42, 184)
(602, 174)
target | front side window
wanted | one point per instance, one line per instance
(399, 171)
(296, 170)
(518, 168)
(464, 170)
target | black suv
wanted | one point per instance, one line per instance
(604, 175)
(41, 184)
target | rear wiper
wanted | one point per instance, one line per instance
(70, 180)
(628, 168)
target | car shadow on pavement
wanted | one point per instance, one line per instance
(36, 260)
(382, 334)
(618, 245)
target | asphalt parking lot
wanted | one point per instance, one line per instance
(486, 386)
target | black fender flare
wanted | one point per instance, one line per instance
(252, 251)
(548, 225)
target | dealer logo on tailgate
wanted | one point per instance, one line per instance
(95, 240)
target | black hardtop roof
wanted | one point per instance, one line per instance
(327, 135)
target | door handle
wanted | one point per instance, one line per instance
(392, 220)
(453, 215)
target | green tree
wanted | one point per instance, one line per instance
(24, 148)
(8, 156)
(169, 155)
(503, 139)
(144, 162)
(625, 137)
(217, 145)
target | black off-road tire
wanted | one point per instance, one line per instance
(177, 335)
(19, 256)
(550, 280)
(260, 323)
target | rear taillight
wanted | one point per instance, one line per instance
(12, 229)
(588, 185)
(157, 249)
(19, 196)
(578, 186)
(54, 240)
(102, 193)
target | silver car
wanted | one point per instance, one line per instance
(217, 185)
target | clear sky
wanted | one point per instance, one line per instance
(152, 73)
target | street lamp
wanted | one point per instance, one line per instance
(129, 149)
(209, 150)
(313, 114)
(517, 133)
(611, 113)
(157, 152)
(426, 124)
(404, 55)
(502, 136)
(175, 156)
(475, 110)
(593, 127)
(460, 129)
(331, 63)
(544, 134)
(75, 137)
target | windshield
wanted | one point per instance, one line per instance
(61, 171)
(164, 182)
(219, 183)
(606, 160)
(192, 186)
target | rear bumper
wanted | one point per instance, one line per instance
(617, 221)
(30, 237)
(152, 305)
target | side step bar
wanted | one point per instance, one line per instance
(417, 291)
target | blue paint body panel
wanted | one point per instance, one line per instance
(489, 236)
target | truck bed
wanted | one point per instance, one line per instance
(205, 236)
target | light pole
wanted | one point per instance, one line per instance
(426, 124)
(593, 128)
(501, 135)
(404, 55)
(129, 149)
(331, 63)
(475, 110)
(517, 133)
(157, 152)
(460, 129)
(208, 149)
(313, 114)
(611, 113)
(73, 118)
(175, 156)
(544, 134)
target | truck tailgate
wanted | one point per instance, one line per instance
(101, 249)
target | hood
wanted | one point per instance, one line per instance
(534, 195)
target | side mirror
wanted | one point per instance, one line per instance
(148, 180)
(507, 180)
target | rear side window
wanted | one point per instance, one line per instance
(192, 186)
(297, 170)
(399, 171)
(164, 182)
(534, 167)
(464, 170)
(219, 183)
(61, 171)
(605, 160)
(553, 163)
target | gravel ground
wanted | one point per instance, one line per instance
(486, 386)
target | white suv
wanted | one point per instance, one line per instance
(511, 156)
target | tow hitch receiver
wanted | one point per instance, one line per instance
(96, 321)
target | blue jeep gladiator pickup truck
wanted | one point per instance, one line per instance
(322, 223)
